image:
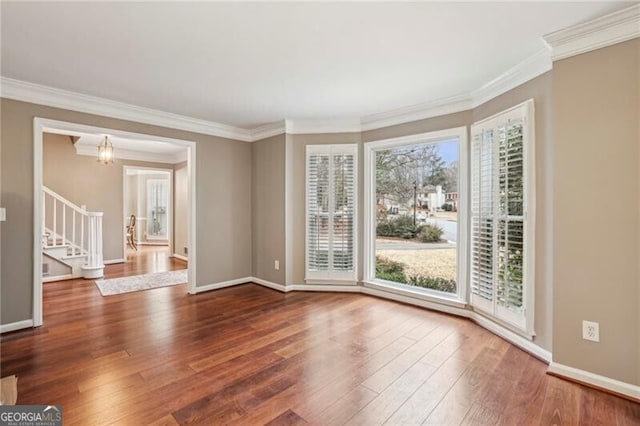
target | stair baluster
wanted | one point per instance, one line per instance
(88, 248)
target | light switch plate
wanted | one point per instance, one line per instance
(3, 214)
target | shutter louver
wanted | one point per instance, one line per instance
(343, 212)
(331, 211)
(318, 212)
(482, 190)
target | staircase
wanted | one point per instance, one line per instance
(71, 240)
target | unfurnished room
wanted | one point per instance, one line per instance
(325, 213)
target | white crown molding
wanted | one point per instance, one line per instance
(443, 106)
(526, 70)
(298, 127)
(268, 130)
(50, 96)
(532, 67)
(601, 32)
(596, 380)
(129, 154)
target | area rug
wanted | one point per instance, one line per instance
(141, 282)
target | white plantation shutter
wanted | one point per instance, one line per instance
(482, 184)
(501, 233)
(331, 212)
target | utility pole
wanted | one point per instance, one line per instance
(415, 201)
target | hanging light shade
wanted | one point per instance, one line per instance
(105, 151)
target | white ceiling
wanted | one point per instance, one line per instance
(246, 64)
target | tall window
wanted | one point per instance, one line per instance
(331, 212)
(502, 179)
(157, 208)
(416, 214)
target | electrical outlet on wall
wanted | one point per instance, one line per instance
(276, 265)
(591, 331)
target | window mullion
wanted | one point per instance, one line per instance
(331, 204)
(495, 216)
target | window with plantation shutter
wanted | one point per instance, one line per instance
(331, 212)
(502, 182)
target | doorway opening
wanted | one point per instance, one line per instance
(83, 215)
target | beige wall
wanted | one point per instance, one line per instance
(83, 181)
(223, 200)
(268, 217)
(131, 201)
(596, 138)
(181, 208)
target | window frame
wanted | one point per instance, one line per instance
(370, 148)
(330, 276)
(149, 184)
(521, 324)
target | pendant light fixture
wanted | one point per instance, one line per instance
(105, 151)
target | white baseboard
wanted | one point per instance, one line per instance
(596, 380)
(19, 325)
(180, 257)
(269, 284)
(508, 335)
(59, 278)
(223, 284)
(112, 261)
(349, 288)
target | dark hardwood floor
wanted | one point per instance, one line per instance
(145, 260)
(251, 355)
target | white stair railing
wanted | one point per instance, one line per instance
(71, 225)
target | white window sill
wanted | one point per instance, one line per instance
(319, 281)
(433, 297)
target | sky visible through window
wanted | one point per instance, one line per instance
(449, 151)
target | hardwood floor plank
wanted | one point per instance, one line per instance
(527, 397)
(288, 418)
(627, 414)
(490, 404)
(418, 406)
(562, 403)
(454, 406)
(385, 404)
(345, 407)
(384, 377)
(595, 408)
(251, 355)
